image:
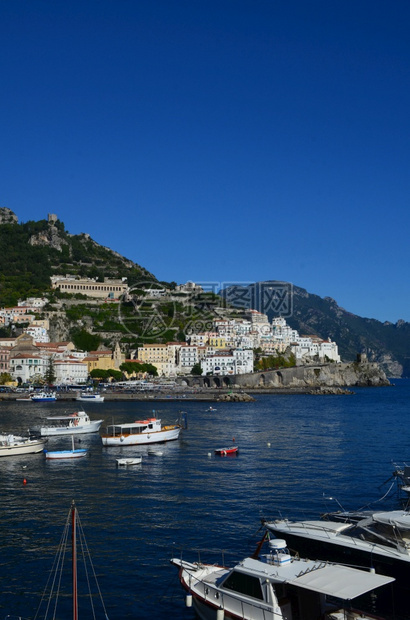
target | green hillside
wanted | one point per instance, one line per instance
(31, 252)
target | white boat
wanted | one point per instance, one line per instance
(72, 424)
(371, 540)
(131, 461)
(139, 433)
(76, 596)
(13, 445)
(90, 397)
(74, 453)
(43, 397)
(276, 585)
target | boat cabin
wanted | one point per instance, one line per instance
(150, 425)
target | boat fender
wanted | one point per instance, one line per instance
(188, 600)
(220, 614)
(122, 438)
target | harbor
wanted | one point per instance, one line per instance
(297, 455)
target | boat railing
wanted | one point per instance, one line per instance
(234, 600)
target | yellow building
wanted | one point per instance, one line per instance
(217, 342)
(105, 360)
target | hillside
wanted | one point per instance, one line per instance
(385, 343)
(31, 252)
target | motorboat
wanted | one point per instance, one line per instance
(402, 475)
(14, 445)
(67, 592)
(74, 453)
(91, 397)
(276, 585)
(43, 397)
(136, 460)
(211, 409)
(226, 451)
(140, 432)
(75, 423)
(376, 540)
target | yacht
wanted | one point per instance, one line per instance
(279, 586)
(369, 540)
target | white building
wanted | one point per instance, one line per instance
(33, 302)
(188, 357)
(70, 371)
(220, 363)
(244, 360)
(38, 333)
(25, 367)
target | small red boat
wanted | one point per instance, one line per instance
(225, 451)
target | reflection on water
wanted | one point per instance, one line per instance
(293, 451)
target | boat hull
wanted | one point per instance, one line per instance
(29, 447)
(127, 462)
(65, 454)
(166, 434)
(226, 451)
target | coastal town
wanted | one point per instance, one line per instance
(229, 348)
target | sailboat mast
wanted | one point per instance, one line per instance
(74, 556)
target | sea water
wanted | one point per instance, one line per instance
(295, 453)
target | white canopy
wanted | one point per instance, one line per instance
(340, 581)
(399, 518)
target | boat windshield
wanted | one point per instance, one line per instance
(244, 584)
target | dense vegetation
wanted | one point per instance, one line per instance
(26, 268)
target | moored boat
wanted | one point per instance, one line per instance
(44, 397)
(14, 445)
(137, 460)
(375, 540)
(74, 453)
(140, 432)
(226, 451)
(74, 423)
(87, 397)
(278, 586)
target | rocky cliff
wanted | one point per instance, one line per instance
(318, 376)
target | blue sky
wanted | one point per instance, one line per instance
(218, 141)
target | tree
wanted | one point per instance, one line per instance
(5, 377)
(50, 375)
(196, 369)
(85, 341)
(115, 374)
(99, 373)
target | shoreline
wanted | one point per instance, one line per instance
(208, 396)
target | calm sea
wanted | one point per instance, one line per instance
(295, 451)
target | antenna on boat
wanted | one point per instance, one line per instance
(335, 500)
